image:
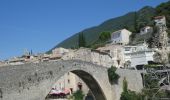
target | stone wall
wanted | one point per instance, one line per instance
(133, 78)
(88, 55)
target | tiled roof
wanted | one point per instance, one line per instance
(159, 17)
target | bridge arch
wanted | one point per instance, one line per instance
(91, 82)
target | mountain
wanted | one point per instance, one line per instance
(132, 21)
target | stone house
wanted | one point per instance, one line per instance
(59, 51)
(88, 55)
(145, 30)
(120, 37)
(160, 20)
(116, 52)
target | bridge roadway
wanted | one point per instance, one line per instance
(34, 81)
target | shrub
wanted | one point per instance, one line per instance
(113, 76)
(127, 94)
(105, 36)
(78, 95)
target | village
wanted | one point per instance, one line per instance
(117, 53)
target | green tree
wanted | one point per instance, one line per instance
(135, 23)
(104, 36)
(82, 40)
(78, 95)
(113, 76)
(125, 85)
(127, 94)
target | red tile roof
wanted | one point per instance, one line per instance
(159, 17)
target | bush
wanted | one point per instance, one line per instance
(129, 95)
(104, 36)
(113, 76)
(82, 40)
(78, 95)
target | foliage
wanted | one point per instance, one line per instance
(145, 17)
(132, 36)
(78, 95)
(152, 66)
(149, 82)
(113, 76)
(127, 94)
(163, 94)
(102, 41)
(104, 36)
(135, 23)
(125, 85)
(70, 97)
(151, 91)
(82, 41)
(130, 95)
(154, 94)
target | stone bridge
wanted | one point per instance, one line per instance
(34, 81)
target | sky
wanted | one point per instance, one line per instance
(39, 25)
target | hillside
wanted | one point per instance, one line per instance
(132, 21)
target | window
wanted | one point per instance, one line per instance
(79, 86)
(115, 35)
(71, 89)
(68, 81)
(127, 49)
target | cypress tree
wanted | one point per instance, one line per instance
(82, 41)
(135, 22)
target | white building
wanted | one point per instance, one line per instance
(138, 55)
(141, 57)
(160, 20)
(120, 36)
(16, 61)
(60, 51)
(145, 30)
(127, 52)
